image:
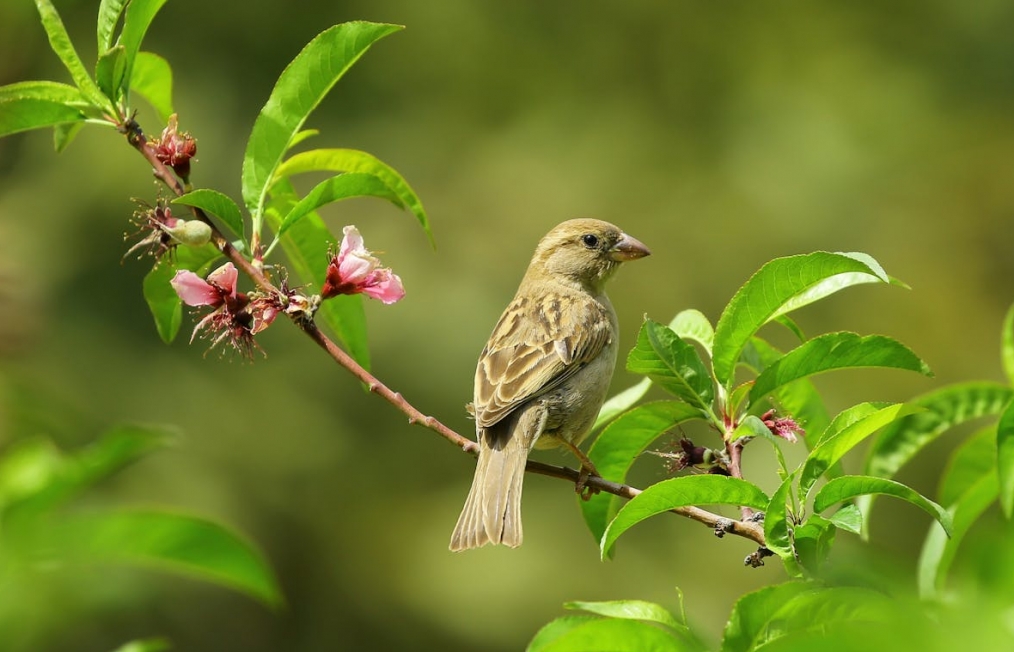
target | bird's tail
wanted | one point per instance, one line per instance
(492, 512)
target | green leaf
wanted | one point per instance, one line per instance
(178, 543)
(747, 627)
(37, 477)
(217, 204)
(145, 645)
(780, 286)
(751, 426)
(811, 543)
(351, 160)
(833, 447)
(1005, 459)
(109, 15)
(848, 518)
(152, 79)
(162, 300)
(110, 70)
(943, 409)
(1007, 345)
(680, 492)
(798, 399)
(836, 351)
(974, 459)
(674, 364)
(615, 450)
(691, 324)
(306, 246)
(136, 21)
(777, 516)
(556, 629)
(848, 487)
(633, 610)
(941, 546)
(298, 91)
(64, 133)
(613, 635)
(621, 403)
(26, 114)
(343, 186)
(60, 42)
(817, 610)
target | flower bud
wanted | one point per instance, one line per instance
(193, 233)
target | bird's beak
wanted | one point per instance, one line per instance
(628, 248)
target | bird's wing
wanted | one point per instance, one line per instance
(537, 344)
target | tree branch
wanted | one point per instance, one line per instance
(135, 136)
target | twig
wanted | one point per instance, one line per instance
(135, 136)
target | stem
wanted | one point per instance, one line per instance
(135, 136)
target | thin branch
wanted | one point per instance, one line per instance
(135, 136)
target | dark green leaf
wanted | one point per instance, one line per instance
(60, 42)
(1005, 458)
(176, 542)
(941, 546)
(633, 610)
(136, 21)
(343, 186)
(110, 70)
(680, 492)
(109, 15)
(836, 351)
(834, 446)
(300, 88)
(615, 450)
(306, 245)
(614, 635)
(748, 623)
(672, 363)
(811, 542)
(215, 203)
(556, 629)
(777, 516)
(162, 300)
(848, 487)
(944, 409)
(152, 79)
(780, 286)
(351, 160)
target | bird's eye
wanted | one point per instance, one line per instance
(590, 240)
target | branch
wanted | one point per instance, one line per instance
(135, 136)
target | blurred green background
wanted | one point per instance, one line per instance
(720, 134)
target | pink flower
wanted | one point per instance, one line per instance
(159, 232)
(784, 427)
(355, 270)
(235, 317)
(175, 149)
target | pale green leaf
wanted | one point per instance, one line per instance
(1007, 345)
(136, 21)
(145, 645)
(748, 622)
(673, 364)
(343, 186)
(556, 629)
(691, 324)
(60, 42)
(614, 635)
(777, 517)
(110, 70)
(971, 461)
(152, 79)
(1005, 458)
(621, 402)
(633, 610)
(109, 15)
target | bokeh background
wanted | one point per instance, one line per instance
(720, 134)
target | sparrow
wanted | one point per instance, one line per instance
(544, 373)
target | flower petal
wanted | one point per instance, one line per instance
(194, 290)
(224, 278)
(386, 286)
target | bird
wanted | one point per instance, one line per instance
(544, 373)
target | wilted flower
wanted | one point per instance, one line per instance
(355, 270)
(235, 317)
(175, 149)
(160, 232)
(784, 427)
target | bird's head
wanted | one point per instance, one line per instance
(586, 251)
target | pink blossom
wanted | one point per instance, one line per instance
(355, 270)
(785, 427)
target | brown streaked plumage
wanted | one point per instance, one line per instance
(544, 373)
